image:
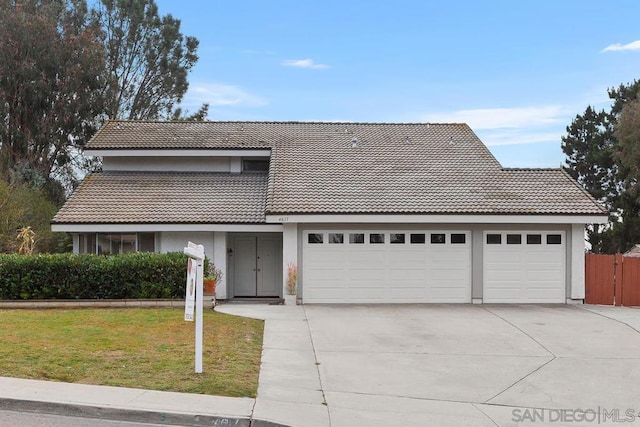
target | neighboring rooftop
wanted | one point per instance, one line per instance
(634, 252)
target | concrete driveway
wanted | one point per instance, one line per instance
(475, 365)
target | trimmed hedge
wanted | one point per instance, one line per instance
(68, 276)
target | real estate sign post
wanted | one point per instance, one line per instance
(193, 300)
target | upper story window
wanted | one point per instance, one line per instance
(255, 165)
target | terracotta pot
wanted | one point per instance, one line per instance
(209, 286)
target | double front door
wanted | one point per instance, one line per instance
(257, 265)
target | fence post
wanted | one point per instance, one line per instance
(618, 279)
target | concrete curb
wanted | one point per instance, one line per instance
(115, 414)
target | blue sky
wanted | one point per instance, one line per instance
(516, 71)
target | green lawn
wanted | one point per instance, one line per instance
(140, 348)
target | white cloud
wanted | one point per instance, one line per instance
(221, 95)
(526, 136)
(502, 118)
(303, 63)
(635, 45)
(511, 126)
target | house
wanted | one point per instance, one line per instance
(369, 213)
(634, 252)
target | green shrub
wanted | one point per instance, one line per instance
(68, 276)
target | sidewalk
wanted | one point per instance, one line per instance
(289, 391)
(158, 405)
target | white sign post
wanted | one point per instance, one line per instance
(194, 297)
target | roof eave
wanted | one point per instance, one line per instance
(439, 218)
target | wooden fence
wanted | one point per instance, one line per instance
(612, 280)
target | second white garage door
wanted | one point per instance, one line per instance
(524, 267)
(352, 266)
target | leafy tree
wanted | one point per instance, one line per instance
(22, 207)
(148, 60)
(51, 60)
(628, 150)
(622, 95)
(589, 149)
(198, 116)
(599, 161)
(627, 156)
(63, 70)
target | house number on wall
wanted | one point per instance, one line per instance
(283, 219)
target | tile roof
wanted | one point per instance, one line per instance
(161, 198)
(441, 169)
(372, 168)
(141, 135)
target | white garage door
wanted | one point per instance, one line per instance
(524, 267)
(353, 266)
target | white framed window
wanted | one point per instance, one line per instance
(116, 243)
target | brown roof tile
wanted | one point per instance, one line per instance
(369, 167)
(130, 197)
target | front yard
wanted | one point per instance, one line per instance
(139, 348)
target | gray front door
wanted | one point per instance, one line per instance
(257, 266)
(245, 266)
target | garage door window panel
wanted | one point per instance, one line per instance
(418, 239)
(438, 238)
(336, 238)
(315, 238)
(514, 239)
(396, 238)
(534, 239)
(494, 239)
(458, 239)
(376, 238)
(554, 239)
(356, 238)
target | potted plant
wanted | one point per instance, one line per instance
(292, 283)
(213, 276)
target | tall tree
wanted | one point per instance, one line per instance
(148, 60)
(627, 156)
(595, 160)
(51, 60)
(589, 148)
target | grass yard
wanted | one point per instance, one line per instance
(140, 348)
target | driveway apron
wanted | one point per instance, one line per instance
(445, 365)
